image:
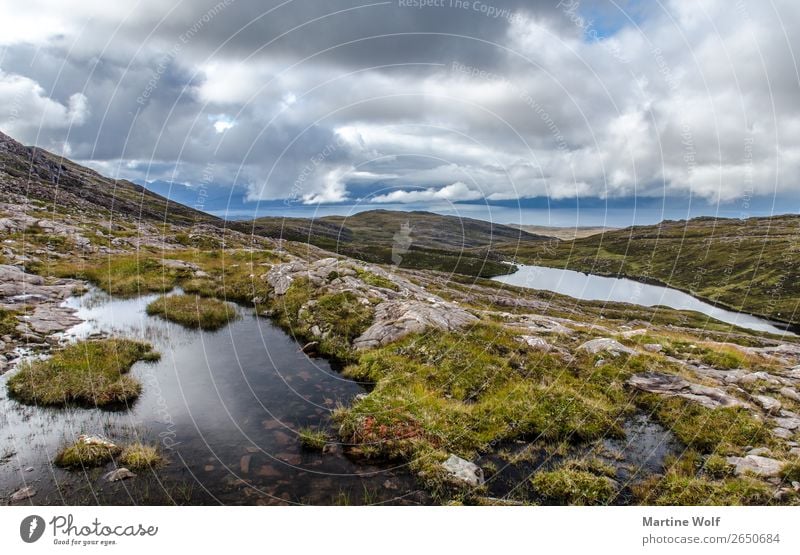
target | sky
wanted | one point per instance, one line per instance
(409, 102)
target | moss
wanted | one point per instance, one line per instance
(91, 373)
(193, 311)
(375, 280)
(84, 455)
(139, 456)
(791, 471)
(573, 487)
(311, 439)
(724, 430)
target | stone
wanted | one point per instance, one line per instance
(22, 494)
(790, 393)
(463, 471)
(244, 464)
(675, 386)
(760, 451)
(96, 440)
(769, 404)
(397, 319)
(653, 347)
(119, 474)
(537, 343)
(605, 344)
(789, 423)
(764, 467)
(795, 451)
(782, 433)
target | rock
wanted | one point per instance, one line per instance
(782, 433)
(396, 319)
(769, 404)
(760, 451)
(244, 464)
(22, 494)
(790, 393)
(179, 264)
(795, 451)
(119, 474)
(605, 344)
(756, 464)
(675, 386)
(790, 423)
(96, 440)
(653, 347)
(633, 333)
(537, 343)
(463, 471)
(310, 347)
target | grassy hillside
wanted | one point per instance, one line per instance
(406, 239)
(751, 265)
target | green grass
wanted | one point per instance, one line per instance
(312, 439)
(139, 456)
(193, 311)
(85, 455)
(723, 430)
(568, 486)
(377, 281)
(90, 373)
(464, 393)
(8, 322)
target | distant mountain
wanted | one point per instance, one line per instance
(410, 239)
(38, 174)
(210, 198)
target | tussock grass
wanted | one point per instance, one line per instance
(193, 311)
(312, 439)
(568, 486)
(85, 455)
(8, 322)
(90, 373)
(139, 456)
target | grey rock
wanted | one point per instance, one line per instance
(790, 423)
(396, 319)
(764, 467)
(782, 433)
(675, 386)
(22, 494)
(537, 343)
(653, 347)
(769, 404)
(118, 475)
(463, 471)
(790, 393)
(605, 344)
(760, 451)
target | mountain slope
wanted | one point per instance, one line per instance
(410, 239)
(37, 174)
(751, 265)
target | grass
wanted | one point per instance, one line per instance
(193, 311)
(723, 430)
(88, 373)
(567, 486)
(312, 439)
(340, 317)
(8, 322)
(690, 482)
(464, 393)
(85, 455)
(139, 456)
(375, 280)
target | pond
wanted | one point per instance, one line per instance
(590, 287)
(224, 407)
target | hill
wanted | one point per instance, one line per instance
(752, 265)
(408, 239)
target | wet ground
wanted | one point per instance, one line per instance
(224, 407)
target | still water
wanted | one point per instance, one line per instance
(597, 288)
(224, 407)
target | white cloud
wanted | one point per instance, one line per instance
(454, 192)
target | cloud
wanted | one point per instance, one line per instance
(341, 100)
(454, 192)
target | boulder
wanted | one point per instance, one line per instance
(769, 404)
(463, 471)
(604, 344)
(395, 319)
(758, 465)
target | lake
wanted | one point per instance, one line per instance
(591, 287)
